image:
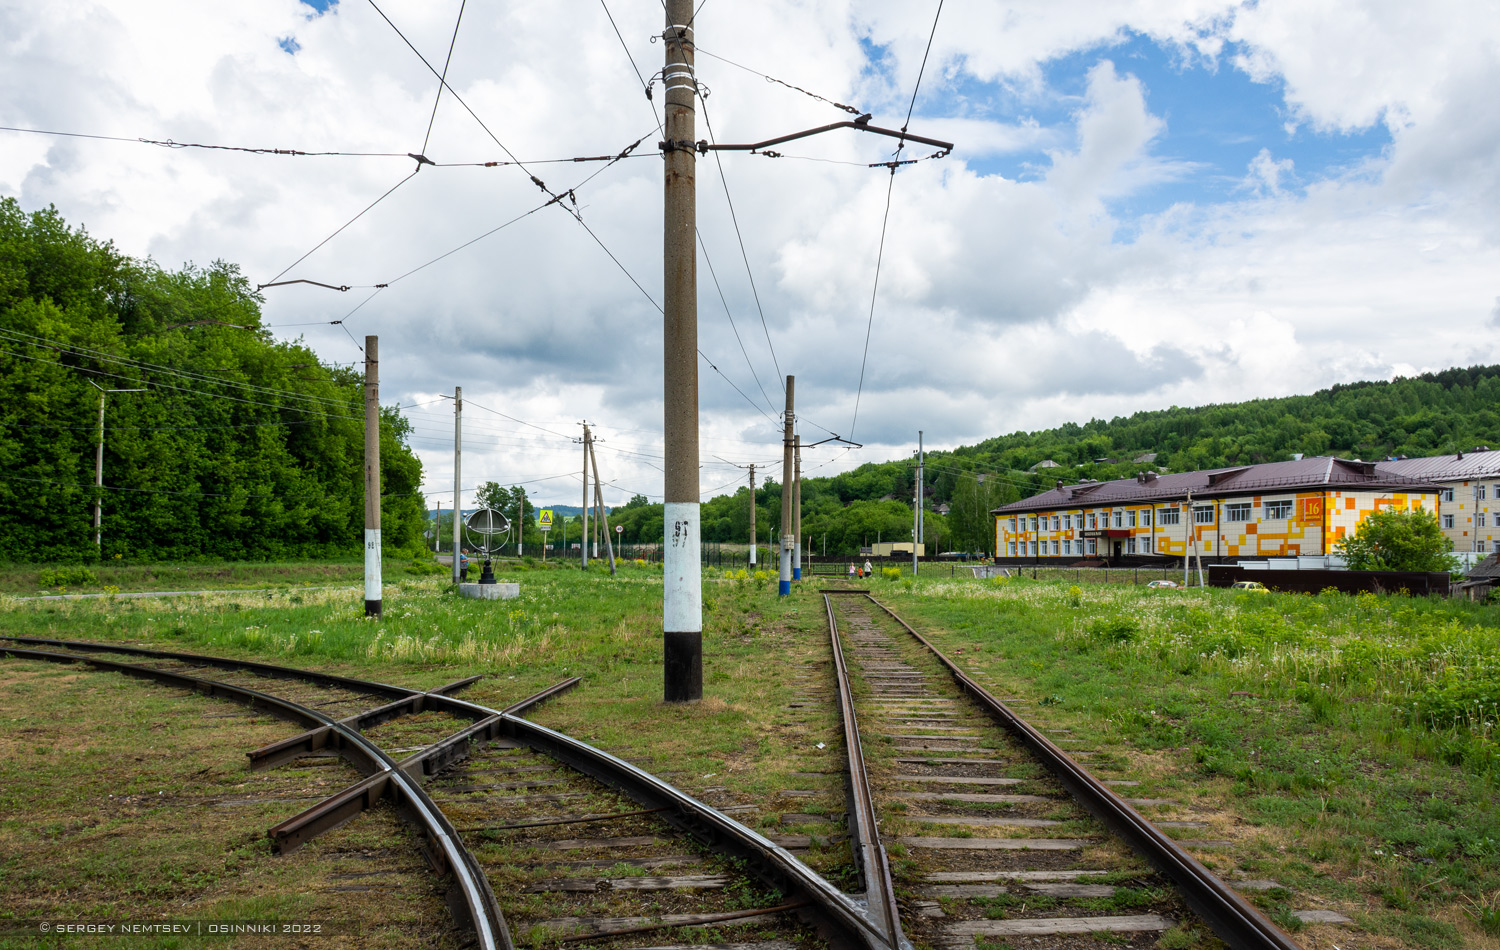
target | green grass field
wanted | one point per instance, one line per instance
(1346, 746)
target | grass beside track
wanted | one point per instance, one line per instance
(1346, 745)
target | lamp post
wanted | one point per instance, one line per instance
(99, 463)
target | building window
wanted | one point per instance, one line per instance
(1056, 523)
(1093, 546)
(1056, 549)
(1445, 495)
(1203, 514)
(1479, 492)
(1130, 546)
(1169, 516)
(1239, 511)
(1013, 526)
(1067, 547)
(1094, 520)
(1447, 521)
(1278, 510)
(1119, 518)
(1033, 522)
(1481, 546)
(1067, 522)
(1033, 549)
(1146, 518)
(1131, 519)
(1145, 545)
(1013, 549)
(1479, 519)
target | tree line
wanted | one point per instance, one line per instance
(239, 446)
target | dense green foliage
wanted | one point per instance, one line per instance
(239, 447)
(1429, 414)
(1398, 541)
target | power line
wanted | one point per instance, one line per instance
(732, 326)
(443, 79)
(169, 143)
(719, 163)
(341, 228)
(885, 218)
(772, 79)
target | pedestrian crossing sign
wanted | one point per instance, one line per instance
(544, 519)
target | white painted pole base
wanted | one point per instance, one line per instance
(682, 603)
(372, 572)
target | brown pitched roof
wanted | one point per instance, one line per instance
(1222, 482)
(1447, 467)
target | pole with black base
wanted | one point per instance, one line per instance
(372, 477)
(682, 598)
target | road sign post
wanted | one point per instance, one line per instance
(544, 522)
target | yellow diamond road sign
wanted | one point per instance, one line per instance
(544, 519)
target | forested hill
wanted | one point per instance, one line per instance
(1424, 415)
(237, 447)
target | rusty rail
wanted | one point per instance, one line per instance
(869, 853)
(1232, 918)
(444, 848)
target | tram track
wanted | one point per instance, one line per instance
(1000, 834)
(580, 846)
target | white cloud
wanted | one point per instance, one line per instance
(1003, 304)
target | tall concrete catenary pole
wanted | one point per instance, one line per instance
(682, 613)
(916, 528)
(752, 514)
(458, 451)
(372, 476)
(583, 537)
(784, 587)
(797, 506)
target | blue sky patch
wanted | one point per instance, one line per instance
(322, 6)
(290, 44)
(1217, 120)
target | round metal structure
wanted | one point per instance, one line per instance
(489, 527)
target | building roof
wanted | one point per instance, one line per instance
(1044, 463)
(1487, 569)
(1271, 477)
(1447, 468)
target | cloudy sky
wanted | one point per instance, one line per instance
(1151, 202)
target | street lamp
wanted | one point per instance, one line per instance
(99, 462)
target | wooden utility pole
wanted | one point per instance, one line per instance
(99, 465)
(458, 451)
(599, 513)
(784, 587)
(682, 600)
(372, 476)
(797, 505)
(583, 536)
(752, 514)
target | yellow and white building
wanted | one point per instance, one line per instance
(1470, 499)
(1280, 509)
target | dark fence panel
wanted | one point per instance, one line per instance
(1349, 582)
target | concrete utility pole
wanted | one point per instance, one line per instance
(916, 524)
(458, 451)
(437, 529)
(583, 536)
(520, 518)
(787, 477)
(682, 601)
(599, 513)
(372, 476)
(752, 514)
(797, 505)
(99, 464)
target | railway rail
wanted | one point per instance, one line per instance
(490, 799)
(966, 763)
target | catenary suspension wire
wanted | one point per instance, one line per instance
(885, 218)
(169, 143)
(772, 79)
(341, 228)
(714, 274)
(443, 79)
(743, 253)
